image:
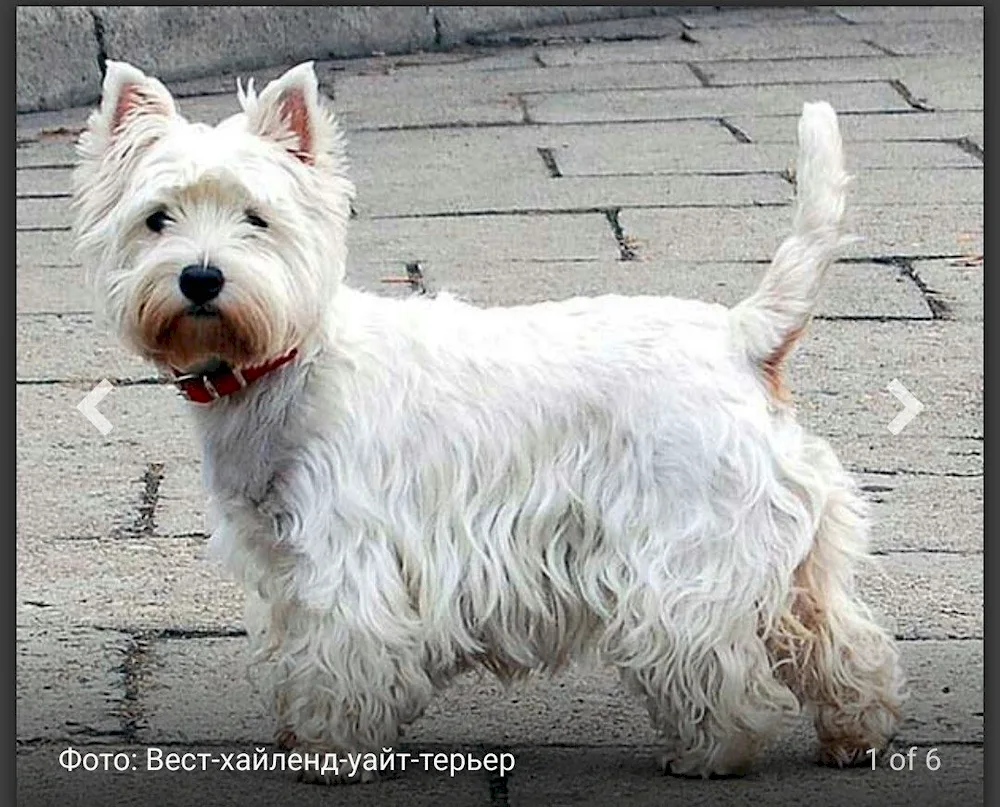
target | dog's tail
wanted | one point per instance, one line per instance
(771, 320)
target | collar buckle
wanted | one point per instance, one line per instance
(209, 387)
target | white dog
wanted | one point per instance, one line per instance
(409, 488)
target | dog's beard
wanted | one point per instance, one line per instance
(238, 329)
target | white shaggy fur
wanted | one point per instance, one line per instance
(432, 486)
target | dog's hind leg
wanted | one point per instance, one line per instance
(708, 684)
(827, 645)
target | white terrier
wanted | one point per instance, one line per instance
(410, 488)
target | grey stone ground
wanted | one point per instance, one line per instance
(645, 155)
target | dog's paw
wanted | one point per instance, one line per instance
(313, 777)
(674, 766)
(853, 755)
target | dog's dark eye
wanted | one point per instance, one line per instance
(158, 221)
(255, 220)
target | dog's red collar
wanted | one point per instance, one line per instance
(204, 388)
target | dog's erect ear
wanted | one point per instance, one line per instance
(129, 95)
(135, 112)
(288, 111)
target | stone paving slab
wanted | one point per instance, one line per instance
(677, 104)
(957, 283)
(628, 154)
(48, 213)
(904, 456)
(930, 39)
(50, 152)
(72, 346)
(43, 181)
(854, 290)
(960, 186)
(586, 706)
(445, 196)
(69, 682)
(180, 509)
(113, 481)
(839, 371)
(925, 231)
(132, 584)
(351, 91)
(926, 595)
(895, 126)
(924, 513)
(53, 289)
(586, 236)
(950, 70)
(53, 248)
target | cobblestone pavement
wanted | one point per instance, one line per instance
(636, 156)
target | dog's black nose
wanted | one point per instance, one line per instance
(201, 283)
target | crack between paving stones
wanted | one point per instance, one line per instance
(144, 523)
(133, 669)
(436, 22)
(155, 381)
(872, 318)
(919, 104)
(499, 797)
(522, 103)
(885, 553)
(969, 146)
(45, 166)
(840, 16)
(99, 36)
(415, 277)
(882, 49)
(734, 130)
(699, 74)
(864, 469)
(549, 158)
(44, 194)
(180, 634)
(693, 66)
(939, 308)
(721, 172)
(626, 245)
(895, 260)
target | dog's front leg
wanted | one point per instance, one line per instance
(343, 685)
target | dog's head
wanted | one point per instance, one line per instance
(209, 243)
